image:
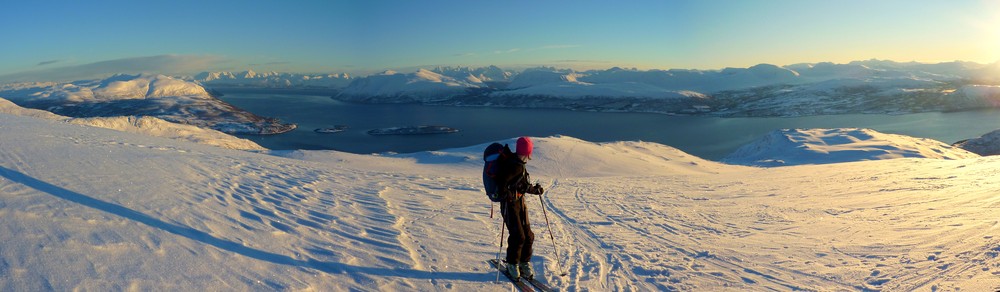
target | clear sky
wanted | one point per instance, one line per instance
(371, 35)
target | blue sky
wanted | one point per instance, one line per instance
(368, 36)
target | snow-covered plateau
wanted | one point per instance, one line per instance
(159, 96)
(87, 208)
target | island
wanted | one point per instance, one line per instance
(414, 130)
(334, 129)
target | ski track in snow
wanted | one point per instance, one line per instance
(125, 212)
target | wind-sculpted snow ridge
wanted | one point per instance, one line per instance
(91, 209)
(158, 96)
(822, 146)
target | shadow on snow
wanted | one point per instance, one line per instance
(200, 236)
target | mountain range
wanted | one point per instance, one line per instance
(872, 86)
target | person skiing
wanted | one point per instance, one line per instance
(512, 183)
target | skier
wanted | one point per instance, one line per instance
(512, 183)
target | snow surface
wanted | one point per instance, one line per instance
(93, 209)
(250, 78)
(141, 125)
(871, 86)
(540, 82)
(819, 146)
(160, 96)
(118, 87)
(987, 93)
(988, 144)
(421, 86)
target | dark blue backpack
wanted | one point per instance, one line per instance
(492, 157)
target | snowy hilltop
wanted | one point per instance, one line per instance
(821, 146)
(159, 96)
(872, 86)
(988, 144)
(272, 79)
(92, 209)
(140, 125)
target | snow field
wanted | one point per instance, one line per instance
(95, 209)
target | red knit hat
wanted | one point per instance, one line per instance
(524, 146)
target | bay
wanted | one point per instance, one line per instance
(708, 137)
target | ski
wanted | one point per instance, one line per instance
(539, 285)
(521, 285)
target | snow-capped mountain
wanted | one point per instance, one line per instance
(821, 146)
(118, 87)
(158, 96)
(483, 74)
(420, 86)
(559, 84)
(92, 209)
(872, 86)
(272, 79)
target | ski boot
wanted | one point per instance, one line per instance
(512, 269)
(525, 269)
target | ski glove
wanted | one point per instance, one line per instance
(536, 189)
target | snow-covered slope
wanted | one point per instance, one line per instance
(482, 74)
(141, 125)
(158, 96)
(93, 209)
(552, 83)
(988, 144)
(420, 86)
(844, 96)
(820, 146)
(118, 87)
(159, 128)
(7, 107)
(565, 157)
(253, 79)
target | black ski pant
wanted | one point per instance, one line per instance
(515, 216)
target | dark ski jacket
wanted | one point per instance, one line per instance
(512, 179)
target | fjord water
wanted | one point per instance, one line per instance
(707, 137)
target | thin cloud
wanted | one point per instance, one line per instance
(580, 61)
(554, 47)
(465, 55)
(270, 63)
(162, 64)
(43, 63)
(507, 51)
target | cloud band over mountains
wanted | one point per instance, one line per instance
(161, 64)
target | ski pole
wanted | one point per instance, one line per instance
(502, 225)
(554, 246)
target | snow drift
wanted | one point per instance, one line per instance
(821, 146)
